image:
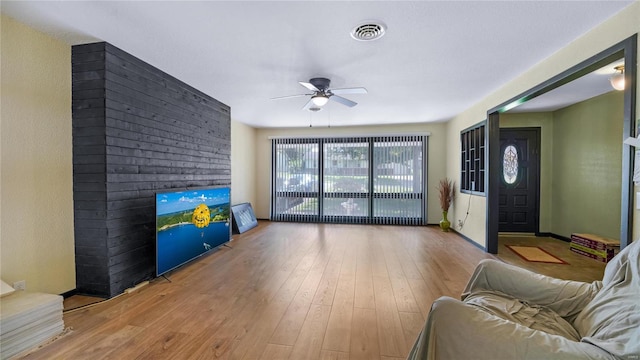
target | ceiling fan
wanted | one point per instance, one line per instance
(322, 94)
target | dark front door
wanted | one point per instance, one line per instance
(519, 180)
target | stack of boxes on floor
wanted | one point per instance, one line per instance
(594, 246)
(28, 320)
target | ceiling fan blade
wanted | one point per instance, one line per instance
(309, 86)
(356, 90)
(343, 101)
(289, 96)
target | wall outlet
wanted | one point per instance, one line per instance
(460, 224)
(20, 285)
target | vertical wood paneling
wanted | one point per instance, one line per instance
(136, 130)
(89, 164)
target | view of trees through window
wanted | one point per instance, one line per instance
(352, 180)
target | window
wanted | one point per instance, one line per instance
(296, 178)
(372, 180)
(473, 159)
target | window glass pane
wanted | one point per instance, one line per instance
(346, 167)
(297, 167)
(346, 206)
(397, 208)
(398, 167)
(297, 206)
(510, 164)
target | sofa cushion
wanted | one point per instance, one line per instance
(532, 316)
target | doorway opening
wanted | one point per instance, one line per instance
(625, 50)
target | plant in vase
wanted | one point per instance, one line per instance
(446, 192)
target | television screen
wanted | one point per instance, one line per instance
(190, 223)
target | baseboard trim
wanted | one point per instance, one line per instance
(69, 293)
(555, 236)
(468, 239)
(560, 237)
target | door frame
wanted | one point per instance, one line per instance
(626, 49)
(536, 182)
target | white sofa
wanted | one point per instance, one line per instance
(510, 313)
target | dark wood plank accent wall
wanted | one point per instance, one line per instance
(136, 130)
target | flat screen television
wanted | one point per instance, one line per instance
(190, 223)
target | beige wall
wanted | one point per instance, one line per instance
(243, 158)
(36, 233)
(36, 227)
(587, 152)
(436, 159)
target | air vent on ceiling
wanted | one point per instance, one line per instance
(368, 31)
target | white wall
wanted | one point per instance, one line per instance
(436, 160)
(619, 27)
(36, 232)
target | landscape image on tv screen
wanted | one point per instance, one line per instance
(188, 224)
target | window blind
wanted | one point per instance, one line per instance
(356, 180)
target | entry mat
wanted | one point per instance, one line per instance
(535, 254)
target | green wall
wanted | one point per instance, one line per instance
(587, 167)
(580, 165)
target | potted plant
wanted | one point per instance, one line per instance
(446, 192)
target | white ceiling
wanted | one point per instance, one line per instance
(588, 86)
(437, 58)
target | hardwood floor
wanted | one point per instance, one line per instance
(285, 291)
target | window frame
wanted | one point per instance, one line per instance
(473, 159)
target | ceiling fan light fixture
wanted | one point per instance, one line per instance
(319, 100)
(617, 80)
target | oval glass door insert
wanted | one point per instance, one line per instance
(510, 164)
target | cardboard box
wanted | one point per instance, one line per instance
(594, 246)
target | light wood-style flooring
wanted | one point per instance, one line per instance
(285, 291)
(578, 267)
